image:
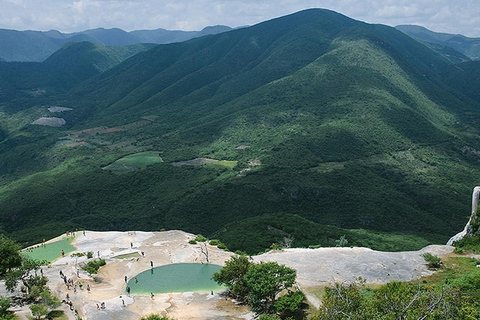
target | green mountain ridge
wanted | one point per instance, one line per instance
(337, 121)
(466, 45)
(36, 46)
(66, 68)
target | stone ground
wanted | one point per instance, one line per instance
(315, 267)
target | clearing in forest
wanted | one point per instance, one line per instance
(135, 161)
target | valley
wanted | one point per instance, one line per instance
(312, 116)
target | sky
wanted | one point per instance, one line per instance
(450, 16)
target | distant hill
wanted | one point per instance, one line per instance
(37, 45)
(70, 65)
(314, 115)
(470, 47)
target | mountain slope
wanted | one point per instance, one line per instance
(467, 46)
(67, 67)
(36, 46)
(338, 121)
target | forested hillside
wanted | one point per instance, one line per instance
(314, 114)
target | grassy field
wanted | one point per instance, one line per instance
(134, 162)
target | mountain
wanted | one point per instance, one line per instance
(36, 46)
(67, 67)
(470, 47)
(162, 36)
(314, 114)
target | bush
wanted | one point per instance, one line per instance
(89, 255)
(200, 238)
(433, 262)
(214, 242)
(269, 317)
(93, 266)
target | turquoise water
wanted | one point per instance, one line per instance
(50, 251)
(180, 277)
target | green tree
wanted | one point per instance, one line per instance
(290, 303)
(232, 275)
(9, 255)
(4, 313)
(24, 274)
(433, 261)
(39, 310)
(265, 281)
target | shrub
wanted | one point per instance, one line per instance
(214, 242)
(200, 238)
(433, 261)
(89, 254)
(93, 266)
(192, 242)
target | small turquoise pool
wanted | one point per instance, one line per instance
(179, 277)
(50, 251)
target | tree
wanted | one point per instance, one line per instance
(433, 261)
(9, 255)
(231, 275)
(265, 281)
(290, 303)
(4, 313)
(24, 274)
(38, 310)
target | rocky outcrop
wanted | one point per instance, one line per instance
(472, 225)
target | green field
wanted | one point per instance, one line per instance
(135, 161)
(225, 164)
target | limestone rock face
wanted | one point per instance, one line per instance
(472, 226)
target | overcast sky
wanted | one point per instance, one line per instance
(451, 16)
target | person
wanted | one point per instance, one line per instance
(88, 287)
(152, 295)
(128, 290)
(123, 302)
(98, 307)
(68, 296)
(102, 305)
(136, 280)
(151, 264)
(80, 285)
(131, 245)
(63, 253)
(125, 279)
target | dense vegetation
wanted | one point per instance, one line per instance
(329, 120)
(268, 288)
(462, 44)
(450, 294)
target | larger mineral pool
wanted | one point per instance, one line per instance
(50, 251)
(179, 277)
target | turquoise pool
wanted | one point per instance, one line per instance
(179, 277)
(50, 251)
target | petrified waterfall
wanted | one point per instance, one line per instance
(460, 235)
